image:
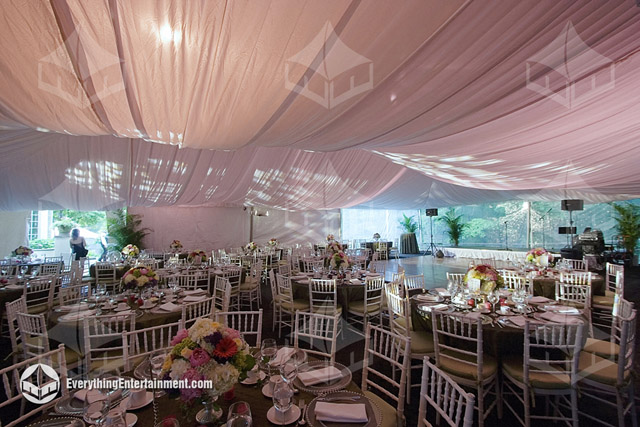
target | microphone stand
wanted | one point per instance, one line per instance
(506, 244)
(544, 228)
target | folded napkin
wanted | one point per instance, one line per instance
(518, 321)
(83, 306)
(15, 287)
(194, 298)
(434, 307)
(89, 395)
(123, 313)
(473, 315)
(341, 412)
(442, 292)
(539, 300)
(356, 282)
(217, 272)
(427, 298)
(318, 376)
(371, 274)
(79, 315)
(195, 292)
(169, 306)
(283, 354)
(298, 277)
(560, 318)
(562, 309)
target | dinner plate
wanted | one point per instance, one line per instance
(326, 387)
(124, 404)
(373, 412)
(428, 298)
(69, 317)
(290, 417)
(59, 422)
(69, 405)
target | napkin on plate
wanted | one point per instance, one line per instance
(434, 307)
(427, 298)
(217, 272)
(517, 320)
(79, 315)
(473, 315)
(560, 318)
(169, 306)
(90, 395)
(122, 313)
(539, 300)
(356, 282)
(562, 309)
(442, 292)
(15, 287)
(283, 354)
(194, 298)
(195, 292)
(83, 306)
(341, 412)
(371, 274)
(322, 375)
(298, 277)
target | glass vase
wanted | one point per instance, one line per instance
(211, 412)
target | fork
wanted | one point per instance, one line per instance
(303, 407)
(339, 398)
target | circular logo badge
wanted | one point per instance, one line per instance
(39, 384)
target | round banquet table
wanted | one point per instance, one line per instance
(170, 406)
(546, 286)
(8, 295)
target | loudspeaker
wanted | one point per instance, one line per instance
(432, 212)
(567, 230)
(572, 205)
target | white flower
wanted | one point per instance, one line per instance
(178, 368)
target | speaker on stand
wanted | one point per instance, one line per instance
(571, 205)
(432, 247)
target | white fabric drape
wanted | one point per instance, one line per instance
(316, 105)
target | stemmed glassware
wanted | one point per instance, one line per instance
(289, 370)
(282, 399)
(493, 298)
(96, 407)
(518, 297)
(269, 349)
(239, 415)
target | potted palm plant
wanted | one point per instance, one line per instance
(627, 216)
(408, 241)
(455, 226)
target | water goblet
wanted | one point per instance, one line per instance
(96, 407)
(282, 399)
(239, 415)
(289, 370)
(115, 418)
(493, 298)
(269, 350)
(518, 298)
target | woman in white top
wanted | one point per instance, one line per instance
(78, 244)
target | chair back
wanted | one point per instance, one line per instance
(221, 294)
(398, 314)
(13, 388)
(196, 310)
(552, 349)
(283, 287)
(272, 284)
(312, 264)
(456, 278)
(284, 269)
(458, 339)
(103, 339)
(73, 294)
(450, 402)
(12, 309)
(248, 323)
(323, 296)
(386, 349)
(573, 294)
(578, 278)
(513, 280)
(627, 344)
(614, 278)
(51, 268)
(33, 331)
(143, 342)
(576, 264)
(373, 292)
(414, 282)
(39, 291)
(105, 272)
(311, 328)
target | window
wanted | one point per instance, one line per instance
(33, 226)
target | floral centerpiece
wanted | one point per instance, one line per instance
(330, 238)
(139, 278)
(130, 250)
(22, 251)
(334, 248)
(210, 351)
(251, 246)
(339, 260)
(539, 256)
(273, 243)
(194, 254)
(488, 276)
(176, 245)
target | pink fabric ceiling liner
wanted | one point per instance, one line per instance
(466, 100)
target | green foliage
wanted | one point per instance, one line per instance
(64, 225)
(478, 227)
(408, 224)
(455, 226)
(41, 244)
(627, 216)
(92, 220)
(124, 228)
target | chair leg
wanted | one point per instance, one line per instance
(480, 406)
(527, 409)
(574, 407)
(632, 405)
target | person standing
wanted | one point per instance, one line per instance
(78, 244)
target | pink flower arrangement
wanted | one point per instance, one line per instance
(539, 256)
(488, 276)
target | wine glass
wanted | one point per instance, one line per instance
(156, 359)
(493, 298)
(23, 270)
(239, 415)
(115, 418)
(518, 298)
(96, 407)
(269, 349)
(289, 370)
(282, 399)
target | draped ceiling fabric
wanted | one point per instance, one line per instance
(304, 105)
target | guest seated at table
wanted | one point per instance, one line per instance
(78, 244)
